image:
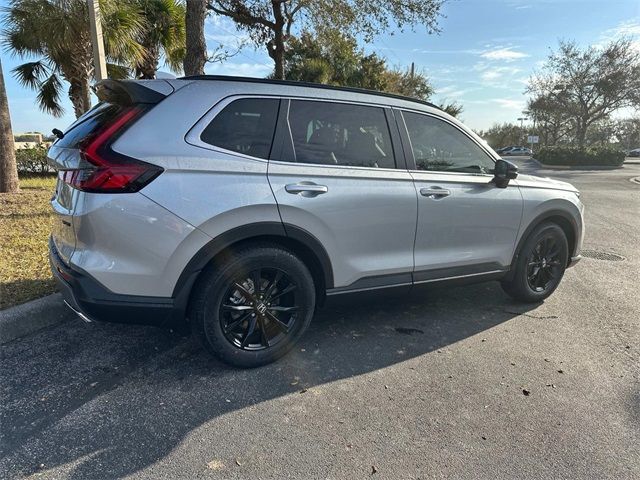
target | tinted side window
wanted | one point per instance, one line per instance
(340, 134)
(244, 126)
(438, 145)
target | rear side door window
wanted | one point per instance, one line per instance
(245, 126)
(340, 134)
(439, 146)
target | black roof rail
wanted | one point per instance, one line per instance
(292, 83)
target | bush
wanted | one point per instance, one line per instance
(564, 155)
(32, 160)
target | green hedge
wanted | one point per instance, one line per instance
(32, 160)
(606, 156)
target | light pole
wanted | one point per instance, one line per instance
(521, 120)
(95, 24)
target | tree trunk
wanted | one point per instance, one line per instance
(148, 67)
(79, 95)
(275, 46)
(8, 168)
(581, 133)
(276, 52)
(196, 54)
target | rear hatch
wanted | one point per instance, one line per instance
(85, 162)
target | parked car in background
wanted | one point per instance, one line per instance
(235, 206)
(634, 153)
(517, 151)
(504, 149)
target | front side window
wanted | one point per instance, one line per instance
(245, 126)
(340, 134)
(439, 146)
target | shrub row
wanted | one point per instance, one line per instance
(32, 160)
(575, 156)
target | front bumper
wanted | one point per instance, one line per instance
(574, 260)
(93, 301)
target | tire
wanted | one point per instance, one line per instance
(540, 265)
(239, 327)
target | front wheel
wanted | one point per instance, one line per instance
(251, 309)
(540, 265)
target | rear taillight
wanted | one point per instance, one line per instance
(103, 170)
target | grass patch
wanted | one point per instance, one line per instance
(25, 225)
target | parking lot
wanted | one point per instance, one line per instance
(457, 382)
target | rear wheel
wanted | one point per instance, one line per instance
(252, 308)
(540, 265)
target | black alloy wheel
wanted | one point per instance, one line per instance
(260, 309)
(539, 265)
(544, 264)
(252, 305)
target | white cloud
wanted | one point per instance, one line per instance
(627, 29)
(507, 54)
(495, 76)
(258, 70)
(510, 103)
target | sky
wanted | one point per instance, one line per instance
(482, 58)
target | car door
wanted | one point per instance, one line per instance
(334, 173)
(466, 225)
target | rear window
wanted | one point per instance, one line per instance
(245, 126)
(87, 124)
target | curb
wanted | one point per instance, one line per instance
(576, 167)
(21, 320)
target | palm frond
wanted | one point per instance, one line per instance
(118, 72)
(31, 74)
(48, 97)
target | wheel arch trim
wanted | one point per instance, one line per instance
(247, 232)
(548, 216)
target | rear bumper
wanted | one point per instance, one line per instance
(94, 302)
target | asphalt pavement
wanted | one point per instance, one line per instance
(456, 382)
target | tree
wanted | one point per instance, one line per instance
(503, 135)
(269, 22)
(453, 108)
(196, 47)
(58, 33)
(8, 168)
(628, 133)
(335, 59)
(589, 84)
(163, 33)
(553, 124)
(408, 83)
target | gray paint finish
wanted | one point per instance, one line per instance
(368, 219)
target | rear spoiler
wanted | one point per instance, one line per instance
(129, 92)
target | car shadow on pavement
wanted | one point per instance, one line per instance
(107, 400)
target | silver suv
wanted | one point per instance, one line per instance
(235, 206)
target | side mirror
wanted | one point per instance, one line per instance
(503, 172)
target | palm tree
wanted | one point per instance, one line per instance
(8, 170)
(57, 31)
(164, 32)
